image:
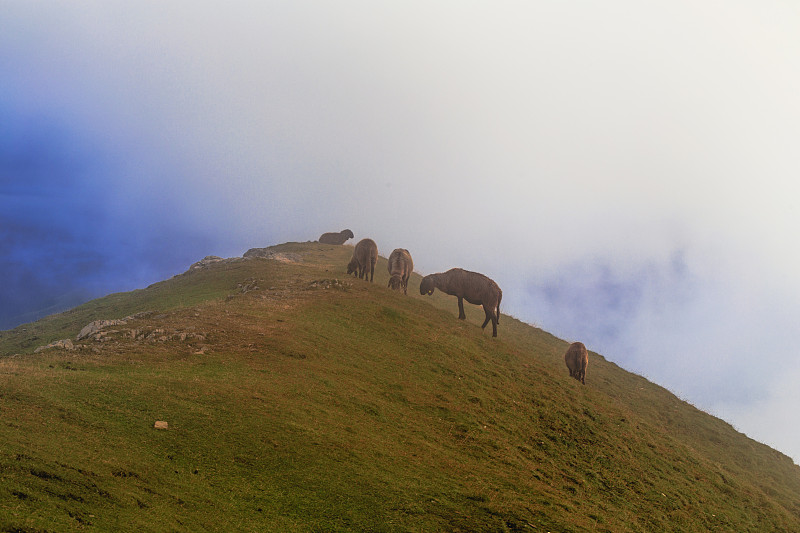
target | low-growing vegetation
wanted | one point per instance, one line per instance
(300, 399)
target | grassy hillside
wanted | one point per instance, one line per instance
(298, 399)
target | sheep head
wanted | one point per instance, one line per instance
(347, 233)
(352, 266)
(426, 286)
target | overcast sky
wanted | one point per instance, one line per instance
(627, 171)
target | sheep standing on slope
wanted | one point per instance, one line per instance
(400, 268)
(364, 257)
(577, 358)
(475, 288)
(336, 238)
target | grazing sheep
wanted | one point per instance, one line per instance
(336, 238)
(400, 268)
(577, 358)
(475, 288)
(364, 257)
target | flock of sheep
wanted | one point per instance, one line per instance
(473, 287)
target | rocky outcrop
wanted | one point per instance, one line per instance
(64, 344)
(145, 334)
(252, 253)
(206, 261)
(326, 284)
(97, 325)
(267, 253)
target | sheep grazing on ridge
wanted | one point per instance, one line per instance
(364, 258)
(336, 238)
(577, 358)
(400, 268)
(475, 288)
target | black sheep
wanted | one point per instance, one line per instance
(336, 238)
(475, 288)
(364, 258)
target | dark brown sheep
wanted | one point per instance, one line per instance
(475, 288)
(400, 268)
(577, 358)
(336, 238)
(364, 258)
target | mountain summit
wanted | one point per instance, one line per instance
(274, 393)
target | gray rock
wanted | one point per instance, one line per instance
(64, 344)
(267, 253)
(97, 325)
(207, 260)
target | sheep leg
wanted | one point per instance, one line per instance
(490, 316)
(461, 314)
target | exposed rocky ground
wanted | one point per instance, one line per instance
(155, 328)
(130, 329)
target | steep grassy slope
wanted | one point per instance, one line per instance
(302, 400)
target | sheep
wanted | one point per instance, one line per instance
(475, 288)
(577, 358)
(400, 268)
(336, 238)
(364, 257)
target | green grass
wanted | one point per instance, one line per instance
(301, 408)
